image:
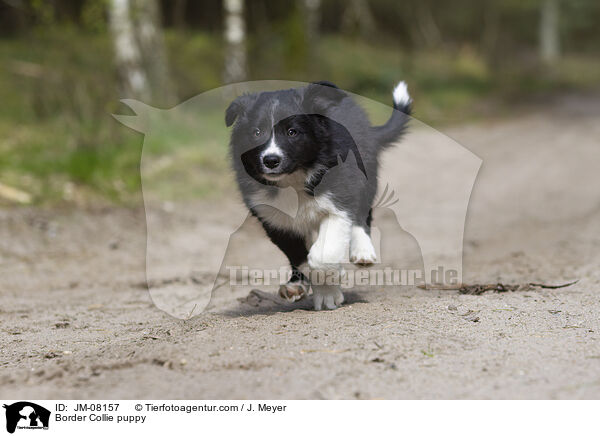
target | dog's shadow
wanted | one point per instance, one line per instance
(258, 302)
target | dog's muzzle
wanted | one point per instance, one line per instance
(271, 161)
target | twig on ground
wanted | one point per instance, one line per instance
(478, 289)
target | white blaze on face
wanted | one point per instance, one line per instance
(272, 148)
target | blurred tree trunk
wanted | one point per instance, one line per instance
(430, 32)
(549, 31)
(422, 27)
(490, 31)
(235, 37)
(128, 58)
(358, 16)
(312, 17)
(139, 50)
(152, 46)
(179, 8)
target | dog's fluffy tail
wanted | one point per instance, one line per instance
(389, 133)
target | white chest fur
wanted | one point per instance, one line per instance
(293, 211)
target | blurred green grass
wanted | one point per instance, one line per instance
(59, 142)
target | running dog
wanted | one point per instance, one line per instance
(319, 141)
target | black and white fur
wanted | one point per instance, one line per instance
(319, 142)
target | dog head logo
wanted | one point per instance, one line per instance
(26, 415)
(431, 177)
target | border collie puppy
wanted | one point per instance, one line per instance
(319, 142)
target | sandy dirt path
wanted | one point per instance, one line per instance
(76, 320)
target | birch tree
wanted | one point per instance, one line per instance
(140, 54)
(312, 18)
(549, 31)
(235, 38)
(133, 78)
(150, 38)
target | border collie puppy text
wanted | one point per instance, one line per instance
(318, 141)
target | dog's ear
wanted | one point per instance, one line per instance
(238, 107)
(320, 96)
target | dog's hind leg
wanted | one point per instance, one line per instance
(296, 288)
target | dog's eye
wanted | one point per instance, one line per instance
(257, 132)
(292, 132)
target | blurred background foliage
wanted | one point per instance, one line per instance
(61, 77)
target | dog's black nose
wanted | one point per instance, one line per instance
(271, 161)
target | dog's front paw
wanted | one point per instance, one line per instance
(363, 255)
(327, 297)
(294, 290)
(362, 252)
